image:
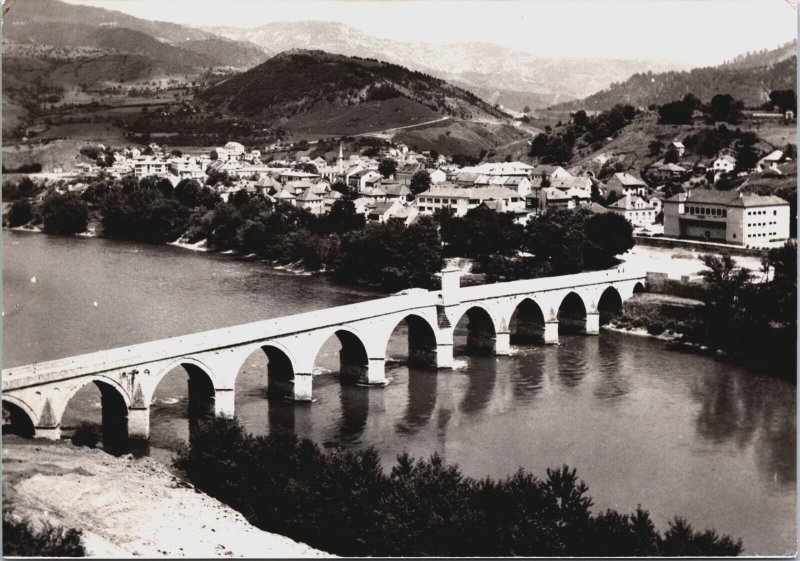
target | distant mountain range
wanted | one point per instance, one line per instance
(498, 74)
(169, 45)
(749, 77)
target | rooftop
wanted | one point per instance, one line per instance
(727, 198)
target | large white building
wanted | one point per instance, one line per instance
(464, 199)
(728, 217)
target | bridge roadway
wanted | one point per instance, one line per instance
(36, 395)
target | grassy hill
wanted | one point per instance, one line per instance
(58, 23)
(303, 86)
(750, 84)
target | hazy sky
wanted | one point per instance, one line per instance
(697, 32)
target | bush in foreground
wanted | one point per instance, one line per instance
(343, 502)
(22, 539)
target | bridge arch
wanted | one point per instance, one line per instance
(201, 382)
(280, 368)
(481, 330)
(114, 404)
(353, 355)
(422, 340)
(18, 418)
(638, 288)
(609, 305)
(527, 322)
(572, 314)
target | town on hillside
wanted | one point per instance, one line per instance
(673, 197)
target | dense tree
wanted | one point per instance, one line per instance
(420, 507)
(341, 187)
(387, 167)
(420, 181)
(672, 156)
(747, 155)
(343, 218)
(784, 100)
(481, 233)
(20, 213)
(144, 215)
(607, 235)
(64, 213)
(724, 107)
(675, 113)
(655, 147)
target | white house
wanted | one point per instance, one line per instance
(150, 166)
(636, 210)
(438, 176)
(724, 164)
(624, 183)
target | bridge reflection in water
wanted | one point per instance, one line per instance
(289, 350)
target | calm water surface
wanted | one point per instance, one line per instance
(678, 433)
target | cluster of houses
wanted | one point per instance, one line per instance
(512, 187)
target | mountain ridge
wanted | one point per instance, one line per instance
(302, 81)
(512, 73)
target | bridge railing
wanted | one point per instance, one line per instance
(527, 286)
(174, 347)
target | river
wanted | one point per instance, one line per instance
(679, 433)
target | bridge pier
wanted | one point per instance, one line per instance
(502, 343)
(49, 433)
(224, 402)
(550, 333)
(592, 323)
(139, 423)
(444, 355)
(375, 373)
(302, 387)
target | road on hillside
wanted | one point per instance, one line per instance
(386, 133)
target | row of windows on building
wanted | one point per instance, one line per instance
(752, 224)
(705, 211)
(762, 235)
(760, 212)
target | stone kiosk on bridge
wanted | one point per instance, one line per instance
(499, 315)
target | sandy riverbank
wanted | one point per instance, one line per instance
(129, 507)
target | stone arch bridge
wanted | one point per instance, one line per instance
(498, 315)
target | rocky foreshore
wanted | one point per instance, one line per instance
(128, 507)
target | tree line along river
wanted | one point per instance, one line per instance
(678, 433)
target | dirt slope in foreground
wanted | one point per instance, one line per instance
(129, 506)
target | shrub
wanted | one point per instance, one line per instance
(64, 214)
(20, 213)
(21, 539)
(655, 328)
(344, 502)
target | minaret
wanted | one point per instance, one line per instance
(340, 162)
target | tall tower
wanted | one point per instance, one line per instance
(340, 161)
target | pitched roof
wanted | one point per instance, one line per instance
(595, 207)
(626, 203)
(309, 196)
(545, 170)
(571, 182)
(727, 198)
(450, 190)
(396, 190)
(284, 194)
(629, 180)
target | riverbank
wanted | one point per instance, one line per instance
(129, 507)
